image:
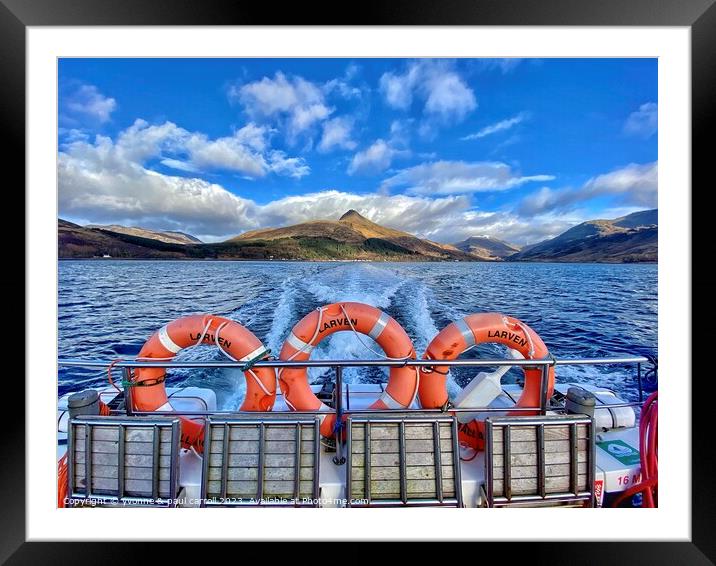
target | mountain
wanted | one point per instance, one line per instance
(82, 242)
(352, 236)
(487, 247)
(631, 238)
(166, 236)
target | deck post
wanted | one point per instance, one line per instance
(339, 459)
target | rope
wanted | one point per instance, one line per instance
(248, 365)
(358, 336)
(648, 454)
(109, 374)
(527, 334)
(471, 458)
(382, 355)
(306, 344)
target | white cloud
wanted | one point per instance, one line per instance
(337, 133)
(445, 95)
(298, 102)
(294, 167)
(455, 177)
(449, 97)
(398, 88)
(644, 122)
(374, 159)
(136, 195)
(100, 188)
(108, 180)
(179, 165)
(446, 219)
(344, 87)
(246, 151)
(88, 102)
(497, 127)
(632, 185)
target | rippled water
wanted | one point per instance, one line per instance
(107, 309)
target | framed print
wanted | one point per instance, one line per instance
(281, 267)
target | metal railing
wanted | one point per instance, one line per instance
(338, 366)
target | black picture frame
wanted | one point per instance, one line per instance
(699, 15)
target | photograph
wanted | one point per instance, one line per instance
(350, 282)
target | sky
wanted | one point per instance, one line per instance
(517, 149)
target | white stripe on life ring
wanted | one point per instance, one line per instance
(255, 354)
(166, 341)
(379, 326)
(389, 401)
(323, 409)
(466, 332)
(299, 344)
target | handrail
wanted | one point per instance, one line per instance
(338, 365)
(353, 363)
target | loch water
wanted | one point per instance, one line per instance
(108, 308)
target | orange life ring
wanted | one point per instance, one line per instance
(149, 393)
(475, 329)
(364, 319)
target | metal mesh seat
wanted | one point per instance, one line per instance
(402, 460)
(540, 459)
(260, 459)
(120, 460)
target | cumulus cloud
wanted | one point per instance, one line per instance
(337, 134)
(497, 127)
(379, 156)
(111, 180)
(447, 219)
(299, 103)
(344, 87)
(246, 151)
(445, 95)
(374, 159)
(455, 177)
(128, 192)
(87, 102)
(643, 122)
(97, 185)
(633, 185)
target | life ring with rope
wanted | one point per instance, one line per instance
(234, 340)
(466, 333)
(362, 319)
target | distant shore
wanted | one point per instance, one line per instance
(421, 260)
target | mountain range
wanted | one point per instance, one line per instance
(631, 238)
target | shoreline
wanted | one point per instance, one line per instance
(354, 261)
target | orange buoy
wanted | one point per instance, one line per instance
(362, 319)
(238, 343)
(470, 331)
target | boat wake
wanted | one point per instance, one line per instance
(404, 298)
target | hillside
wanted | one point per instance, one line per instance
(487, 247)
(76, 241)
(168, 237)
(631, 238)
(352, 236)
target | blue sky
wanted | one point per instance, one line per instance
(519, 149)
